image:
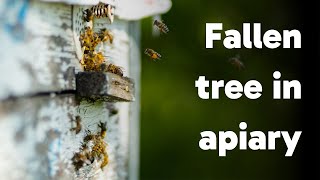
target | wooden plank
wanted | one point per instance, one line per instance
(104, 86)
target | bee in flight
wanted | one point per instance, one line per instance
(235, 61)
(99, 11)
(161, 26)
(152, 54)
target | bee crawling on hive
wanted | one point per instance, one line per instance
(106, 35)
(77, 129)
(111, 68)
(87, 15)
(89, 136)
(89, 40)
(235, 61)
(99, 11)
(152, 54)
(103, 127)
(92, 61)
(80, 159)
(161, 26)
(92, 149)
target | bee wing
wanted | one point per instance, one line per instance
(110, 13)
(242, 65)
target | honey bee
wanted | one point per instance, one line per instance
(79, 159)
(91, 60)
(235, 61)
(114, 69)
(105, 35)
(99, 11)
(77, 129)
(99, 152)
(152, 54)
(99, 59)
(103, 67)
(161, 26)
(103, 127)
(89, 40)
(105, 160)
(87, 15)
(89, 136)
(112, 109)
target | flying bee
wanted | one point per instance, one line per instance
(152, 54)
(105, 35)
(102, 10)
(77, 129)
(114, 69)
(103, 127)
(235, 61)
(161, 26)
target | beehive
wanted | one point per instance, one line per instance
(39, 97)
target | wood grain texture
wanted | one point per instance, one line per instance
(38, 48)
(107, 86)
(38, 143)
(38, 63)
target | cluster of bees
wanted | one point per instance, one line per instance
(92, 149)
(163, 28)
(93, 60)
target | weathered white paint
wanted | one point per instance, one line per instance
(128, 9)
(40, 41)
(37, 141)
(37, 48)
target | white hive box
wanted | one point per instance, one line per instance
(39, 57)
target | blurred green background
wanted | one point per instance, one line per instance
(173, 115)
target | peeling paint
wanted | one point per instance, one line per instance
(41, 55)
(36, 137)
